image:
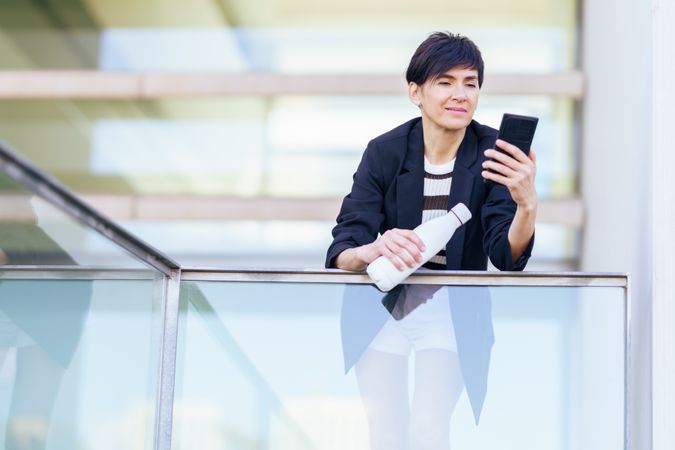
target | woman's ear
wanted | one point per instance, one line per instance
(414, 93)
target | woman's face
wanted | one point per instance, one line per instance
(450, 100)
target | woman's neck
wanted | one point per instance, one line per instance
(441, 145)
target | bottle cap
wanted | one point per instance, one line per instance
(462, 212)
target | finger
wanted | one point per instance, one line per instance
(396, 262)
(414, 238)
(408, 240)
(497, 178)
(399, 251)
(384, 248)
(393, 259)
(407, 251)
(512, 150)
(499, 168)
(502, 158)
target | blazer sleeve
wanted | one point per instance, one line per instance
(361, 214)
(496, 215)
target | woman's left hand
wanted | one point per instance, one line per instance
(516, 172)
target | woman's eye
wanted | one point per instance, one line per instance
(471, 85)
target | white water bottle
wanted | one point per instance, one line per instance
(434, 233)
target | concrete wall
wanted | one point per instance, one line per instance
(663, 224)
(616, 172)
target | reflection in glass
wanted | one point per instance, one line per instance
(78, 362)
(449, 331)
(42, 323)
(555, 378)
(34, 232)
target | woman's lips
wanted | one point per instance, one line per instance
(456, 109)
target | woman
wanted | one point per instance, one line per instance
(411, 174)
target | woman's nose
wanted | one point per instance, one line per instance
(459, 93)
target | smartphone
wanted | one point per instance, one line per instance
(517, 130)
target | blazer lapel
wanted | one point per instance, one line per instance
(460, 192)
(410, 182)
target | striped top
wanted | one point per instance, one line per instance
(437, 182)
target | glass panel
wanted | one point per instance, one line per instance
(310, 366)
(78, 361)
(34, 232)
(279, 35)
(247, 146)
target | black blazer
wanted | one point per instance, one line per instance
(388, 192)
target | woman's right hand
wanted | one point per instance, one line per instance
(401, 247)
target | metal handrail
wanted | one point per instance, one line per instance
(31, 177)
(335, 276)
(436, 277)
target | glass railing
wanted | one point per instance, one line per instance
(85, 312)
(322, 360)
(313, 359)
(79, 351)
(123, 348)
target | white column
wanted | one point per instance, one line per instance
(616, 173)
(663, 216)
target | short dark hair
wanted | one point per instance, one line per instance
(443, 51)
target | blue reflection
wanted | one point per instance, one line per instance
(449, 329)
(555, 369)
(168, 49)
(190, 147)
(43, 321)
(318, 50)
